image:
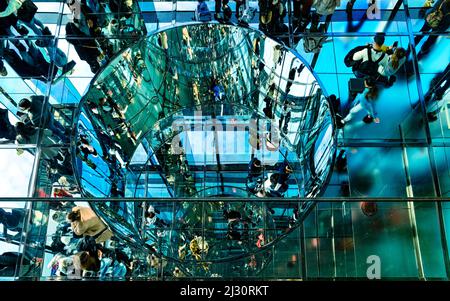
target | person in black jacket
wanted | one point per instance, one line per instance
(39, 114)
(438, 87)
(12, 221)
(9, 261)
(255, 169)
(5, 31)
(302, 14)
(85, 46)
(32, 64)
(7, 130)
(284, 173)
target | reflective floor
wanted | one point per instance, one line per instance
(406, 155)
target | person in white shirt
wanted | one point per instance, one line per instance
(376, 53)
(152, 219)
(390, 65)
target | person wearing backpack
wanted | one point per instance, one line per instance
(366, 60)
(314, 43)
(437, 19)
(326, 7)
(85, 222)
(227, 12)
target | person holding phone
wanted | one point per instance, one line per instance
(390, 66)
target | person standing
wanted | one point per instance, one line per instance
(390, 66)
(40, 115)
(7, 130)
(283, 175)
(85, 222)
(438, 87)
(366, 102)
(12, 221)
(6, 21)
(368, 59)
(285, 115)
(437, 19)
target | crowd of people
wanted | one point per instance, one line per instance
(83, 244)
(97, 30)
(36, 123)
(26, 56)
(375, 67)
(274, 184)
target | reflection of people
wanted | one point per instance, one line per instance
(285, 116)
(437, 19)
(254, 169)
(219, 92)
(9, 261)
(326, 7)
(12, 221)
(61, 265)
(198, 246)
(177, 273)
(152, 219)
(284, 173)
(7, 130)
(291, 78)
(261, 240)
(84, 222)
(438, 87)
(85, 148)
(365, 102)
(86, 48)
(39, 113)
(269, 100)
(277, 55)
(302, 10)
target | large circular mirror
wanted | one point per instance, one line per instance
(203, 111)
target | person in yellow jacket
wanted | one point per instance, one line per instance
(198, 246)
(84, 222)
